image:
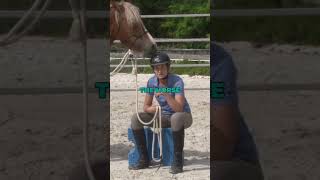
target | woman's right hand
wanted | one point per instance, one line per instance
(148, 107)
(151, 109)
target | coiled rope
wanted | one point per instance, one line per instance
(156, 120)
(121, 64)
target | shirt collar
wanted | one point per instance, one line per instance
(157, 81)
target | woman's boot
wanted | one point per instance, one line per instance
(140, 139)
(178, 143)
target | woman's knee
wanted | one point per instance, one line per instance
(179, 121)
(135, 124)
(134, 118)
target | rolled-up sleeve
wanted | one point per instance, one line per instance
(179, 84)
(150, 85)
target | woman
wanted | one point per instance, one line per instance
(176, 112)
(234, 151)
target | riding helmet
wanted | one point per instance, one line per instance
(160, 58)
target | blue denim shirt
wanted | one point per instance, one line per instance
(224, 70)
(174, 81)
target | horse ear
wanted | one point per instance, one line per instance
(113, 3)
(117, 5)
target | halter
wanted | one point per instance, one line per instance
(137, 37)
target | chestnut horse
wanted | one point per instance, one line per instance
(126, 25)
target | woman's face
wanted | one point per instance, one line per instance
(161, 71)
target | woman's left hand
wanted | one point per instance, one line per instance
(163, 94)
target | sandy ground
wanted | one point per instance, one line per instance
(44, 62)
(285, 123)
(40, 135)
(197, 143)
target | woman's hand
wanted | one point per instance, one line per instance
(148, 107)
(158, 94)
(176, 103)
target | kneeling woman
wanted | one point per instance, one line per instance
(175, 113)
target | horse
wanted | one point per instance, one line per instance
(127, 26)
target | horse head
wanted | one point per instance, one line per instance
(126, 25)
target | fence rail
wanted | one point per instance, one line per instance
(266, 12)
(192, 60)
(103, 14)
(51, 14)
(91, 14)
(169, 40)
(241, 87)
(214, 13)
(173, 65)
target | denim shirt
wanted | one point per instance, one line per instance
(174, 81)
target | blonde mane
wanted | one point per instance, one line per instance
(131, 13)
(127, 26)
(134, 16)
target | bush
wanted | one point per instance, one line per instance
(293, 29)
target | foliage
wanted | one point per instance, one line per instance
(160, 28)
(298, 30)
(246, 4)
(293, 29)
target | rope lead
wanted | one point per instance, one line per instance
(156, 120)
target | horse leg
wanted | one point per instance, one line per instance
(75, 30)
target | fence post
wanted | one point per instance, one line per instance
(75, 32)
